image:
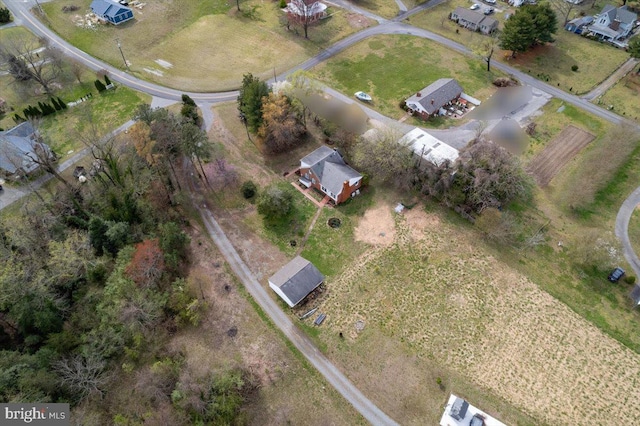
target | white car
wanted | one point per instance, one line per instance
(490, 1)
(475, 6)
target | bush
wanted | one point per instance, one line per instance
(283, 4)
(574, 68)
(186, 100)
(275, 202)
(249, 189)
(5, 15)
(630, 279)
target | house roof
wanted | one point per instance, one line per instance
(430, 148)
(579, 22)
(475, 17)
(621, 14)
(330, 168)
(297, 279)
(108, 8)
(459, 409)
(312, 10)
(17, 149)
(435, 95)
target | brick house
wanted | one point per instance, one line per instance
(325, 170)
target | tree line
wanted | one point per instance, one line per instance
(93, 279)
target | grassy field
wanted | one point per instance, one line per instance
(624, 97)
(435, 293)
(179, 47)
(388, 68)
(551, 63)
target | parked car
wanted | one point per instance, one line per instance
(475, 6)
(489, 11)
(616, 274)
(490, 1)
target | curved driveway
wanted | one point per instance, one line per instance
(622, 229)
(370, 411)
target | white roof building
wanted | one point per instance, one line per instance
(428, 147)
(459, 412)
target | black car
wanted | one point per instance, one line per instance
(616, 274)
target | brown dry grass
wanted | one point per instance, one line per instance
(436, 294)
(377, 227)
(558, 153)
(289, 391)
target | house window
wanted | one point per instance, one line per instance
(323, 188)
(313, 181)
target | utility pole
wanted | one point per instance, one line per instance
(123, 58)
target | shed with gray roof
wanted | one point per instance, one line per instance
(428, 101)
(296, 280)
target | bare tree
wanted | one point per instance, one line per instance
(564, 8)
(487, 47)
(77, 69)
(83, 375)
(28, 59)
(304, 13)
(384, 157)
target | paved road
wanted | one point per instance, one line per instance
(20, 10)
(623, 70)
(622, 229)
(329, 371)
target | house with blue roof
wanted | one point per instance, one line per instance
(111, 11)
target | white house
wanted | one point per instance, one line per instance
(459, 412)
(428, 147)
(613, 23)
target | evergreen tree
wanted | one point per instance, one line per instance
(61, 103)
(56, 105)
(250, 100)
(106, 80)
(530, 25)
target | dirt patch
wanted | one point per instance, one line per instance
(377, 226)
(358, 21)
(419, 222)
(558, 153)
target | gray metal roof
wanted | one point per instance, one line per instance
(297, 279)
(440, 92)
(318, 155)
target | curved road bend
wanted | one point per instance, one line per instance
(21, 12)
(338, 380)
(622, 229)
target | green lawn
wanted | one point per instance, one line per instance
(623, 96)
(108, 110)
(195, 45)
(392, 68)
(551, 63)
(281, 231)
